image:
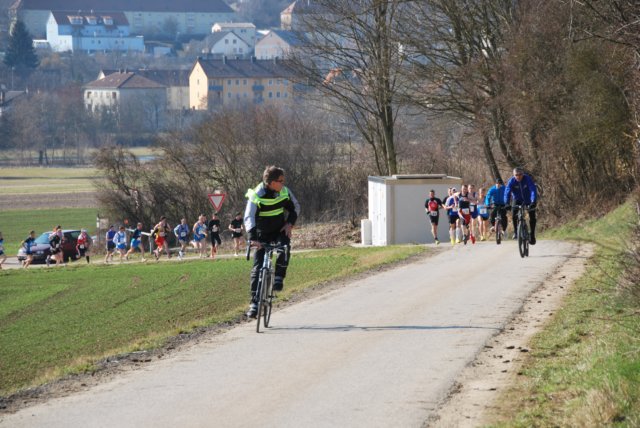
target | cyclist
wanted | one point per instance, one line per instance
(271, 212)
(464, 212)
(432, 207)
(495, 200)
(524, 191)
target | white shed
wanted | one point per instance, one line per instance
(396, 208)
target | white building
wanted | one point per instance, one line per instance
(277, 44)
(226, 43)
(246, 30)
(90, 32)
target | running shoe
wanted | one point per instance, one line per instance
(473, 239)
(453, 241)
(437, 243)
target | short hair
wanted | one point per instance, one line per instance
(162, 218)
(518, 170)
(272, 173)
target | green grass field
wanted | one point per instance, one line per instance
(584, 368)
(16, 224)
(35, 180)
(61, 320)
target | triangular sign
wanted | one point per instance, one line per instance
(216, 200)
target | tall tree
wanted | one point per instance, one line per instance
(20, 53)
(351, 56)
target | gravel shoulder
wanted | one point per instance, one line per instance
(474, 398)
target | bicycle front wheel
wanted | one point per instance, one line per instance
(498, 231)
(522, 239)
(262, 288)
(268, 301)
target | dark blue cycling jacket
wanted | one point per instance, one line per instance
(523, 192)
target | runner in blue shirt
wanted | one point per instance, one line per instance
(136, 242)
(182, 234)
(120, 240)
(27, 244)
(111, 247)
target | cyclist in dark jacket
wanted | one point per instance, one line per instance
(523, 190)
(271, 212)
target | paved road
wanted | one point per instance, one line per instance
(380, 352)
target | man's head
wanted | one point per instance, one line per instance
(121, 228)
(432, 193)
(463, 189)
(518, 173)
(214, 215)
(273, 177)
(139, 226)
(238, 215)
(472, 188)
(183, 220)
(499, 182)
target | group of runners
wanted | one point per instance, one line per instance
(124, 242)
(472, 213)
(196, 236)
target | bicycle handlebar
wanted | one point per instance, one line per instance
(268, 246)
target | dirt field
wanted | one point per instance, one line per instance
(49, 200)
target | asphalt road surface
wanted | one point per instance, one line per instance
(382, 351)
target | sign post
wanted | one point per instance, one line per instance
(216, 200)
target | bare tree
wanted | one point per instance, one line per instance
(351, 56)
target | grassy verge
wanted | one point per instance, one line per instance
(37, 180)
(584, 368)
(16, 224)
(62, 320)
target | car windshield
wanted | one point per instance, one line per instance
(43, 239)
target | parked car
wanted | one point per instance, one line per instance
(42, 249)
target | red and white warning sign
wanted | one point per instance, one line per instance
(216, 200)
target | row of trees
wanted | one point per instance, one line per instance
(549, 85)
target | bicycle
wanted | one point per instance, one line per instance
(523, 230)
(498, 223)
(265, 294)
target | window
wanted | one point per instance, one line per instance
(228, 94)
(237, 82)
(113, 95)
(88, 94)
(229, 82)
(226, 41)
(278, 94)
(244, 82)
(270, 82)
(270, 94)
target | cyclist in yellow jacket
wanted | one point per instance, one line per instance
(270, 214)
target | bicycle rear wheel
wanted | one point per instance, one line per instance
(268, 301)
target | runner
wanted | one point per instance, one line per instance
(464, 212)
(214, 234)
(483, 215)
(120, 240)
(83, 244)
(473, 199)
(452, 212)
(136, 242)
(182, 234)
(199, 234)
(432, 208)
(27, 244)
(3, 257)
(236, 226)
(160, 232)
(111, 247)
(55, 246)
